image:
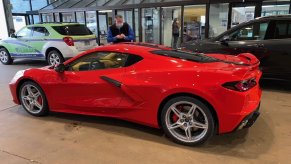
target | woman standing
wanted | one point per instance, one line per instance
(175, 32)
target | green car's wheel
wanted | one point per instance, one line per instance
(54, 58)
(5, 57)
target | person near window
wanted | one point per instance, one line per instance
(175, 32)
(120, 31)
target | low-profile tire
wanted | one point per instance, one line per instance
(33, 99)
(187, 121)
(54, 57)
(5, 57)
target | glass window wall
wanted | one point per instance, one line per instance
(151, 25)
(20, 6)
(242, 14)
(48, 17)
(171, 26)
(91, 21)
(218, 18)
(194, 22)
(68, 17)
(80, 16)
(275, 7)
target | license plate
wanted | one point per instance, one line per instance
(87, 43)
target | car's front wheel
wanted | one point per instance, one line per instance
(33, 99)
(54, 58)
(5, 57)
(187, 121)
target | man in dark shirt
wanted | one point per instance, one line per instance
(120, 31)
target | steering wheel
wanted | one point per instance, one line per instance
(96, 64)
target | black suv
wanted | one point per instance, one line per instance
(268, 38)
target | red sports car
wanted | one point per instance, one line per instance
(190, 96)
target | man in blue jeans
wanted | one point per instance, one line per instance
(120, 31)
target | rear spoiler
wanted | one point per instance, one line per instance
(253, 61)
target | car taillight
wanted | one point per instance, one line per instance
(241, 86)
(69, 41)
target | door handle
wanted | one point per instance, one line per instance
(111, 81)
(259, 45)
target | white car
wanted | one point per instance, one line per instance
(53, 42)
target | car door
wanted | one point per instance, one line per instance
(38, 40)
(277, 60)
(91, 84)
(21, 43)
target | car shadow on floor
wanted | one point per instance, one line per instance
(27, 62)
(240, 144)
(278, 86)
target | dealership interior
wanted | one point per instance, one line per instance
(65, 137)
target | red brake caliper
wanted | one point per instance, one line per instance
(175, 117)
(39, 100)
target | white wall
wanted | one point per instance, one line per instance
(3, 24)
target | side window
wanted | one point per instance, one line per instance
(261, 34)
(256, 31)
(40, 32)
(25, 32)
(244, 33)
(98, 61)
(282, 30)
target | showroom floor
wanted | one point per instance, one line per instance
(64, 138)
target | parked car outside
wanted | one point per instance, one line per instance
(190, 96)
(268, 38)
(53, 42)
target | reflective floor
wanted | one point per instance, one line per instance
(65, 138)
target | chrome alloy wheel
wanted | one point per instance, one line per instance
(32, 99)
(3, 56)
(186, 121)
(54, 59)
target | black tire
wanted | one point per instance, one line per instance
(54, 57)
(5, 57)
(44, 110)
(179, 126)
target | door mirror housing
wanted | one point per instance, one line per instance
(13, 35)
(225, 40)
(60, 68)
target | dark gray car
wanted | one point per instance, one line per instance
(268, 38)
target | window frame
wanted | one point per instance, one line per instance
(46, 34)
(24, 28)
(256, 29)
(288, 22)
(126, 64)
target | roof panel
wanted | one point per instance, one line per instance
(151, 1)
(129, 2)
(54, 5)
(112, 2)
(68, 4)
(84, 3)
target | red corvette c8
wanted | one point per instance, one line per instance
(190, 96)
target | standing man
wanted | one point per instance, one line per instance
(175, 32)
(120, 31)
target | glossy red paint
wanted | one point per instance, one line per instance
(146, 84)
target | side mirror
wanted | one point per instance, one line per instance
(13, 36)
(60, 68)
(225, 39)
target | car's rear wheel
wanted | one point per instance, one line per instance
(5, 57)
(33, 99)
(187, 121)
(54, 58)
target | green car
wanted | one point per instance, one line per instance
(53, 42)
